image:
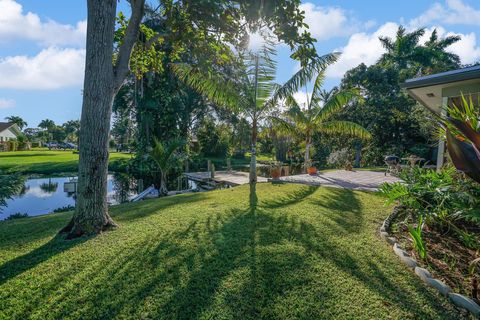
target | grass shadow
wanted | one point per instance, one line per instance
(18, 265)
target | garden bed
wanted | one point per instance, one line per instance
(448, 255)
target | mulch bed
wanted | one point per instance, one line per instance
(448, 258)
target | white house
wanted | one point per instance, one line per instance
(8, 131)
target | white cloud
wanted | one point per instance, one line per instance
(451, 12)
(301, 97)
(361, 48)
(6, 103)
(329, 22)
(15, 25)
(366, 47)
(52, 68)
(467, 48)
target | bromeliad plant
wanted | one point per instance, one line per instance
(462, 131)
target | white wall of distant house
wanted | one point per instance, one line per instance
(6, 135)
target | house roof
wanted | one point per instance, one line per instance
(430, 90)
(443, 77)
(7, 125)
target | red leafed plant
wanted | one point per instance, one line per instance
(462, 130)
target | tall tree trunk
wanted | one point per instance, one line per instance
(102, 81)
(308, 143)
(163, 190)
(253, 165)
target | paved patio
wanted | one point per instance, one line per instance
(355, 180)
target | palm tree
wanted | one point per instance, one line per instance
(18, 121)
(163, 154)
(252, 92)
(46, 124)
(316, 115)
(436, 58)
(405, 53)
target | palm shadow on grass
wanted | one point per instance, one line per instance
(234, 243)
(59, 244)
(23, 263)
(245, 260)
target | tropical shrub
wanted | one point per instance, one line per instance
(446, 199)
(340, 158)
(214, 139)
(445, 194)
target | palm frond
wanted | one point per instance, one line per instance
(317, 87)
(336, 103)
(217, 89)
(344, 127)
(305, 74)
(163, 153)
(284, 126)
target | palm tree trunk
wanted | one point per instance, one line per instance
(163, 190)
(253, 167)
(308, 143)
(253, 158)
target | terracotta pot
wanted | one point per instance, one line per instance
(312, 171)
(275, 173)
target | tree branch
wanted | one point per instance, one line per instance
(121, 68)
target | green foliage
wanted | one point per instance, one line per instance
(442, 196)
(416, 234)
(214, 139)
(304, 123)
(145, 55)
(397, 124)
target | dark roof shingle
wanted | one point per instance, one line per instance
(5, 125)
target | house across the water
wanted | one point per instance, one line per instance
(439, 90)
(8, 131)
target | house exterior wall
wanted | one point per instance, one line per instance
(458, 90)
(7, 135)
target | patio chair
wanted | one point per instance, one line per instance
(393, 165)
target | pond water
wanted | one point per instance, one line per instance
(44, 195)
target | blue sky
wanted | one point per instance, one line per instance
(42, 45)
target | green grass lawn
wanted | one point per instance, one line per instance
(304, 253)
(48, 162)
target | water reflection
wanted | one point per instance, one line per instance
(43, 195)
(49, 187)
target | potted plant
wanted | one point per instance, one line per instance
(311, 169)
(275, 170)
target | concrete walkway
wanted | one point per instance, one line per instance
(234, 178)
(355, 180)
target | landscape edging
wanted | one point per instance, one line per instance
(458, 300)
